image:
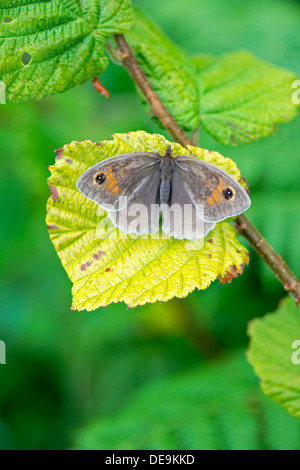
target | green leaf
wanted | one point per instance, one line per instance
(276, 357)
(108, 266)
(237, 98)
(51, 46)
(242, 98)
(282, 431)
(212, 407)
(170, 72)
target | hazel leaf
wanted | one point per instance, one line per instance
(275, 354)
(50, 47)
(106, 265)
(237, 97)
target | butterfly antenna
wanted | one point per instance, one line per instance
(198, 128)
(164, 141)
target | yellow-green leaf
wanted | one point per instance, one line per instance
(107, 266)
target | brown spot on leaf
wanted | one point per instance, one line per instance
(107, 270)
(210, 240)
(98, 254)
(84, 266)
(245, 186)
(52, 227)
(53, 192)
(230, 124)
(233, 141)
(69, 161)
(234, 272)
(58, 153)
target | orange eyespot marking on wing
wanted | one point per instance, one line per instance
(115, 190)
(210, 201)
(99, 178)
(216, 195)
(111, 184)
(220, 186)
(229, 193)
(109, 173)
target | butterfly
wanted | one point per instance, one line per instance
(137, 189)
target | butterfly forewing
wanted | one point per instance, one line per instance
(141, 215)
(220, 195)
(128, 186)
(111, 183)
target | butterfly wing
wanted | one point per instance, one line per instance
(141, 215)
(180, 217)
(220, 194)
(112, 182)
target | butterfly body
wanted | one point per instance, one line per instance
(190, 194)
(166, 170)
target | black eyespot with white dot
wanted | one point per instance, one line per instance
(100, 178)
(228, 193)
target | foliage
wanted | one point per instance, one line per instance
(68, 369)
(62, 46)
(237, 97)
(271, 353)
(200, 409)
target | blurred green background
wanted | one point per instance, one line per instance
(66, 369)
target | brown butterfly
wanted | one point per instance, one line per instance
(190, 194)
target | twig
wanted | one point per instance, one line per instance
(274, 261)
(137, 74)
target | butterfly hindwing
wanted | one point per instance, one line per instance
(180, 218)
(141, 215)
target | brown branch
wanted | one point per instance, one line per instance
(137, 74)
(274, 261)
